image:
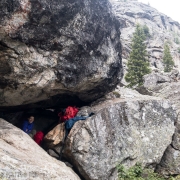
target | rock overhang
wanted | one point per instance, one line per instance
(58, 48)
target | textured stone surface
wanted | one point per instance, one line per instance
(57, 47)
(169, 89)
(162, 28)
(130, 129)
(170, 163)
(156, 81)
(22, 158)
(153, 80)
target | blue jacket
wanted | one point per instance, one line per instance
(27, 127)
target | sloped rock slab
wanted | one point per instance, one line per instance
(22, 158)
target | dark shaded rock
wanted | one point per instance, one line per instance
(57, 48)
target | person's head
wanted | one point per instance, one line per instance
(31, 119)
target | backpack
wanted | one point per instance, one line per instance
(70, 123)
(69, 113)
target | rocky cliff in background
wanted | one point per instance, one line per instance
(50, 48)
(162, 29)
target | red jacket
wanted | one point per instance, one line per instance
(38, 137)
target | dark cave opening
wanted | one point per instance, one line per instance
(45, 112)
(46, 116)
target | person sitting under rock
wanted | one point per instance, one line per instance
(38, 137)
(28, 126)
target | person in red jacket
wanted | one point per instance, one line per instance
(38, 137)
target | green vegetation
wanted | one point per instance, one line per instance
(138, 64)
(176, 40)
(167, 59)
(169, 42)
(129, 174)
(116, 94)
(179, 50)
(138, 173)
(176, 37)
(146, 31)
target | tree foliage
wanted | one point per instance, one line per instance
(167, 59)
(146, 31)
(138, 64)
(137, 172)
(179, 50)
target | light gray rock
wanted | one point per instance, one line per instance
(170, 162)
(50, 48)
(22, 158)
(168, 89)
(164, 85)
(162, 29)
(154, 81)
(127, 130)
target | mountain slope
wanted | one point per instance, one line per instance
(162, 29)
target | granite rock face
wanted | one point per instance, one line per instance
(162, 29)
(164, 85)
(50, 48)
(170, 90)
(22, 158)
(156, 81)
(127, 130)
(170, 163)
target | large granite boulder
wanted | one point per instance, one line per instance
(126, 130)
(22, 158)
(50, 48)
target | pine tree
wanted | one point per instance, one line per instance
(146, 31)
(138, 64)
(167, 59)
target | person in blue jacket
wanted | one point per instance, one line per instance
(28, 126)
